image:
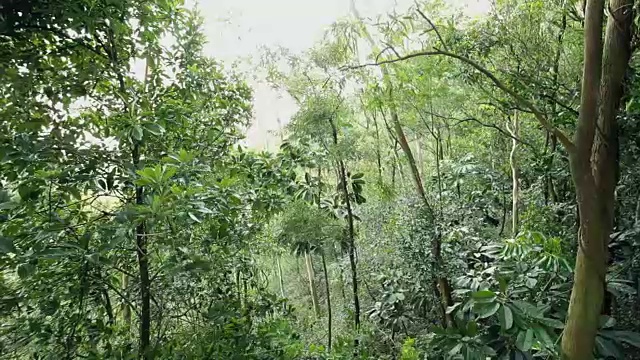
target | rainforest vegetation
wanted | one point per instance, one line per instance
(450, 187)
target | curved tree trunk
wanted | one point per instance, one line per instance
(443, 287)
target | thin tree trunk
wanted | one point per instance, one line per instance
(351, 232)
(504, 211)
(142, 253)
(312, 283)
(126, 310)
(378, 157)
(594, 168)
(443, 283)
(515, 187)
(143, 267)
(352, 247)
(327, 288)
(549, 187)
(280, 278)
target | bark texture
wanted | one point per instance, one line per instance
(594, 168)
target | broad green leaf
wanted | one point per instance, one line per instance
(524, 340)
(455, 350)
(6, 245)
(608, 348)
(629, 337)
(24, 270)
(136, 133)
(484, 296)
(543, 336)
(528, 309)
(486, 310)
(154, 128)
(554, 323)
(506, 317)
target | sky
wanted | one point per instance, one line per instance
(237, 29)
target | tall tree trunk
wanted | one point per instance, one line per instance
(515, 187)
(443, 283)
(352, 246)
(404, 145)
(351, 250)
(312, 283)
(142, 252)
(143, 267)
(327, 289)
(594, 168)
(550, 192)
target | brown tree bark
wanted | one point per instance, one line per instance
(593, 161)
(594, 168)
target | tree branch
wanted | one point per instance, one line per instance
(433, 26)
(568, 144)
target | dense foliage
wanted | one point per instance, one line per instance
(449, 188)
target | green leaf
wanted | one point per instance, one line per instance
(455, 350)
(629, 337)
(94, 258)
(528, 309)
(486, 310)
(25, 270)
(194, 218)
(472, 328)
(6, 245)
(452, 308)
(154, 129)
(525, 340)
(543, 336)
(506, 317)
(608, 348)
(136, 133)
(84, 240)
(554, 323)
(357, 176)
(484, 296)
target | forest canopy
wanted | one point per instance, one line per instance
(448, 188)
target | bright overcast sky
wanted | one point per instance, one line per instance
(236, 29)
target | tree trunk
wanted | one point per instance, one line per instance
(515, 187)
(378, 157)
(351, 250)
(280, 278)
(550, 191)
(126, 310)
(312, 283)
(327, 288)
(143, 267)
(594, 168)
